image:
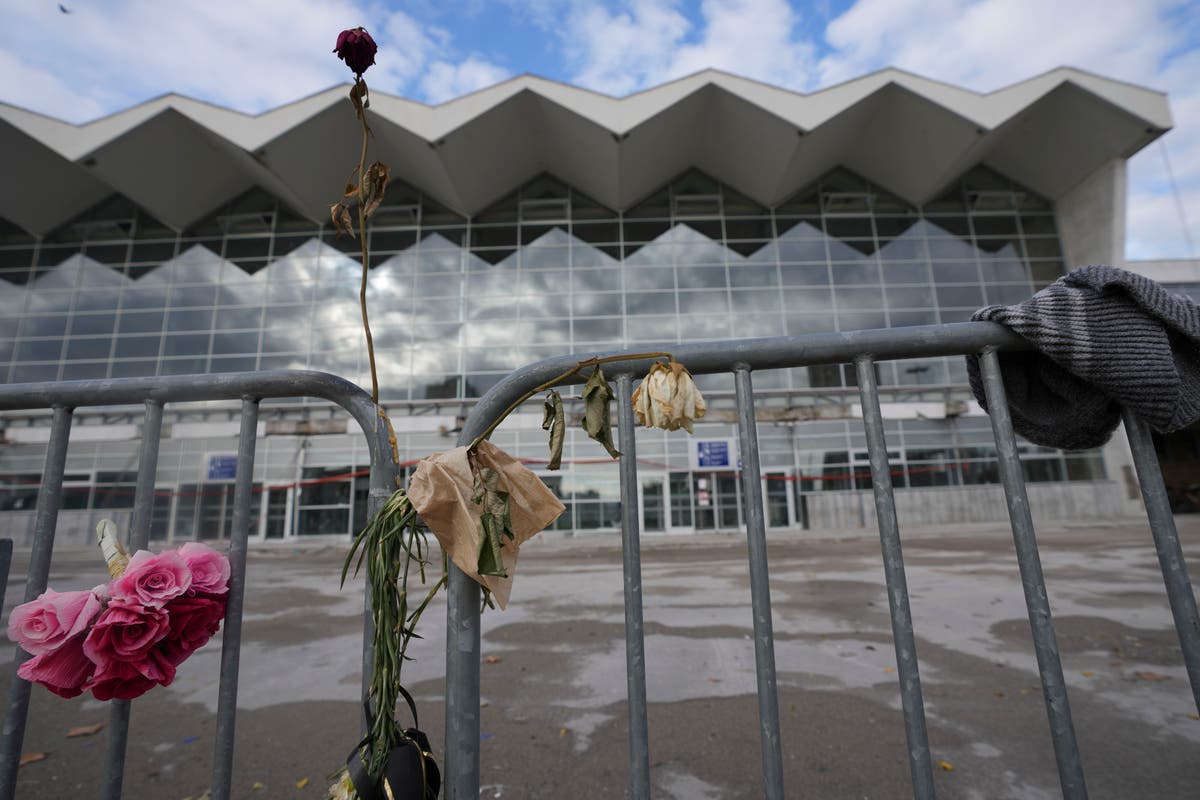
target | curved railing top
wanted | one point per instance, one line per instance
(921, 341)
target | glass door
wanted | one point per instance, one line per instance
(652, 499)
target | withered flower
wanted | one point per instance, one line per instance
(356, 47)
(668, 398)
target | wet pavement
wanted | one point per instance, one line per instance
(553, 721)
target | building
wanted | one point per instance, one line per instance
(533, 219)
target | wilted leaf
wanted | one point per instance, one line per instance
(1152, 676)
(84, 730)
(30, 758)
(597, 418)
(300, 784)
(946, 766)
(340, 214)
(492, 659)
(495, 522)
(1087, 673)
(554, 421)
(357, 94)
(374, 185)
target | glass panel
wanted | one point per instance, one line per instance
(776, 497)
(681, 500)
(323, 521)
(653, 506)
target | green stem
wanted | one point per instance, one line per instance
(591, 362)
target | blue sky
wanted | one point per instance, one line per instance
(106, 55)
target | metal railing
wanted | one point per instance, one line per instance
(742, 358)
(154, 393)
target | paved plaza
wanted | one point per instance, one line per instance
(553, 722)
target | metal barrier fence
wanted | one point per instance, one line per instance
(742, 358)
(154, 393)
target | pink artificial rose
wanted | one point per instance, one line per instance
(125, 632)
(121, 680)
(210, 569)
(64, 670)
(193, 621)
(45, 624)
(152, 579)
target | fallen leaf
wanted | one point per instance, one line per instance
(998, 693)
(562, 731)
(84, 730)
(1193, 716)
(889, 669)
(492, 659)
(1152, 676)
(258, 786)
(946, 766)
(29, 758)
(300, 784)
(1087, 673)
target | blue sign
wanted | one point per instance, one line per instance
(222, 468)
(712, 454)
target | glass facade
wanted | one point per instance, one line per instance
(456, 303)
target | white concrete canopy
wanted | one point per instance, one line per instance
(180, 158)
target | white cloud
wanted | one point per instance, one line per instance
(251, 55)
(753, 38)
(444, 81)
(635, 44)
(985, 44)
(28, 86)
(622, 51)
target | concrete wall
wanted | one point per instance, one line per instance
(1091, 218)
(966, 504)
(1172, 270)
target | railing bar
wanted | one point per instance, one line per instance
(919, 762)
(760, 589)
(6, 552)
(631, 550)
(1166, 545)
(1045, 645)
(231, 640)
(143, 498)
(45, 519)
(462, 687)
(117, 737)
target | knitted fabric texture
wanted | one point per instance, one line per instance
(1104, 338)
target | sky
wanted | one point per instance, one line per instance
(89, 58)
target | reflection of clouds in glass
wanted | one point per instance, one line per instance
(438, 310)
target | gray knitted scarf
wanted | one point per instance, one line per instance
(1105, 338)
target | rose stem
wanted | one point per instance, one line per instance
(362, 236)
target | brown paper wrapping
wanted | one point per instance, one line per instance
(440, 491)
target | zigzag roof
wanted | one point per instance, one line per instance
(179, 158)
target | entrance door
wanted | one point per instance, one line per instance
(652, 499)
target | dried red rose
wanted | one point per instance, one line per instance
(356, 47)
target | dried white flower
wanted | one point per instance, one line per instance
(342, 788)
(668, 398)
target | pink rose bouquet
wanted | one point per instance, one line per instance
(121, 639)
